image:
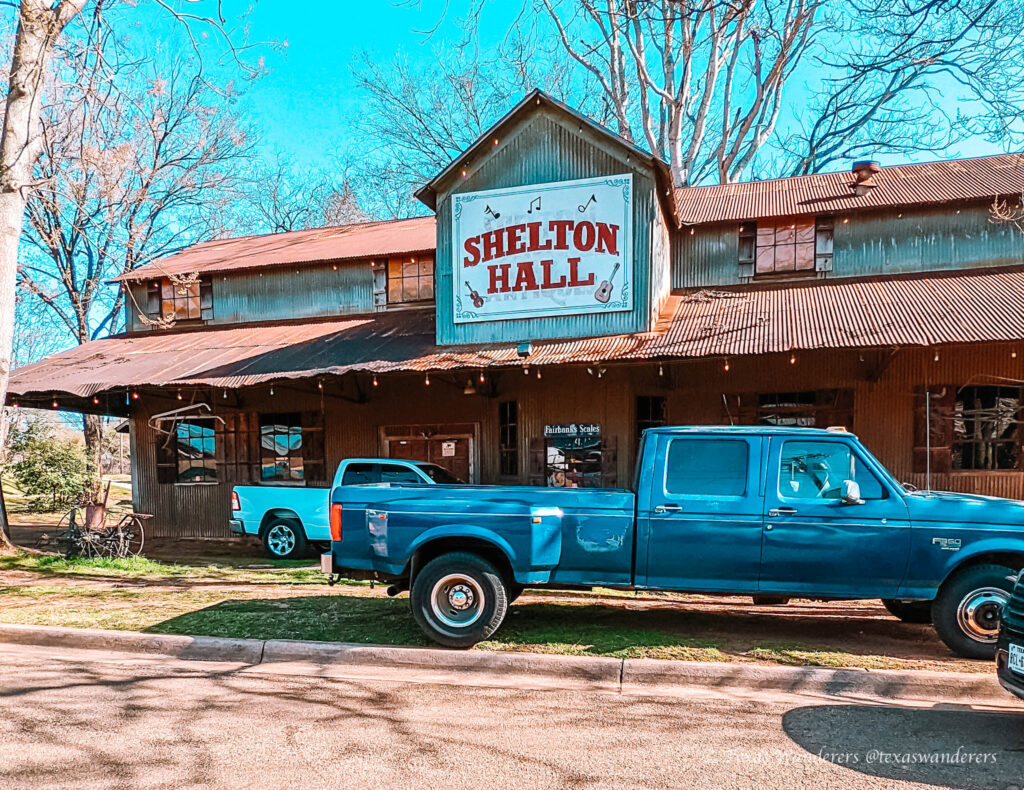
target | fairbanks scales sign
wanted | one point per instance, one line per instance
(561, 248)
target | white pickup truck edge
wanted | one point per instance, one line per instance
(291, 518)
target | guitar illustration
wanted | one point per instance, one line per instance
(478, 300)
(604, 290)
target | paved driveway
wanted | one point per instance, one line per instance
(82, 719)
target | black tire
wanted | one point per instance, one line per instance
(284, 539)
(482, 599)
(967, 609)
(916, 612)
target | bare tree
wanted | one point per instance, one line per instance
(138, 159)
(41, 25)
(415, 118)
(894, 92)
(707, 83)
(280, 197)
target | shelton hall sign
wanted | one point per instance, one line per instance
(548, 249)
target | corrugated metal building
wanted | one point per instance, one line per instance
(567, 297)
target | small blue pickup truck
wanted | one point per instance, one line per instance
(290, 518)
(766, 511)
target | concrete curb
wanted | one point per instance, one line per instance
(597, 671)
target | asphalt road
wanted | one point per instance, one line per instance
(87, 720)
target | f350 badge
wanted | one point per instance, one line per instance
(947, 544)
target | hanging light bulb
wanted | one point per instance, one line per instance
(792, 359)
(375, 382)
(426, 380)
(661, 370)
(936, 357)
(538, 372)
(15, 404)
(95, 401)
(725, 367)
(54, 404)
(179, 394)
(481, 377)
(225, 396)
(526, 370)
(271, 389)
(320, 384)
(135, 396)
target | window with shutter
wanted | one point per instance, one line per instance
(788, 245)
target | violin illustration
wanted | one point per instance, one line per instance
(604, 290)
(478, 300)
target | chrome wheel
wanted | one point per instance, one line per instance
(980, 611)
(457, 600)
(281, 540)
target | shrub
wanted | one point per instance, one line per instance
(52, 471)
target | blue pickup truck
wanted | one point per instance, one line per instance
(288, 519)
(767, 511)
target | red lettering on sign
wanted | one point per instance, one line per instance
(499, 278)
(525, 279)
(574, 278)
(561, 227)
(471, 246)
(607, 238)
(494, 245)
(514, 244)
(583, 236)
(534, 229)
(548, 282)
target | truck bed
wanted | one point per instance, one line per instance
(568, 536)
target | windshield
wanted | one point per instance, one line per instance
(438, 473)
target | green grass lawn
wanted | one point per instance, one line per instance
(289, 600)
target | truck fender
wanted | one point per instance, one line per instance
(275, 513)
(1000, 550)
(462, 531)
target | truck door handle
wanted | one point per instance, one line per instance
(668, 508)
(775, 512)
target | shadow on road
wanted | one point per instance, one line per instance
(950, 746)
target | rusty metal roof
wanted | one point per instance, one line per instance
(932, 310)
(900, 185)
(344, 242)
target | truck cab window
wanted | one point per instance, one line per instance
(707, 467)
(399, 474)
(816, 470)
(358, 474)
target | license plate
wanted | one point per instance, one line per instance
(1016, 662)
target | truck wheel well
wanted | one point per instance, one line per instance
(276, 514)
(1010, 559)
(478, 546)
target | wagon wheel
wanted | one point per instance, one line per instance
(133, 536)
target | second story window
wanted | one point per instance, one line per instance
(180, 301)
(789, 245)
(410, 279)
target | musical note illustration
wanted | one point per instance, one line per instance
(582, 208)
(604, 290)
(494, 214)
(536, 200)
(478, 300)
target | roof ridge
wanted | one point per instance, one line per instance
(902, 166)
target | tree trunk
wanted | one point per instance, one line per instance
(39, 24)
(92, 430)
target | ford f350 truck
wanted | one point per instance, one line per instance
(730, 510)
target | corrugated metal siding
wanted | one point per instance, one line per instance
(284, 294)
(542, 150)
(869, 243)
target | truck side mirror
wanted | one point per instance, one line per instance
(851, 493)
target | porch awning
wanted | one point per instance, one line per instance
(932, 310)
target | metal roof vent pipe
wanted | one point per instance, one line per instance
(864, 173)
